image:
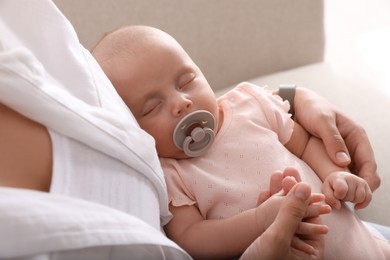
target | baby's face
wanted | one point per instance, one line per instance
(161, 85)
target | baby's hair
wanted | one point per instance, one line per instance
(122, 43)
(111, 45)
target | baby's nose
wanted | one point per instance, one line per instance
(182, 105)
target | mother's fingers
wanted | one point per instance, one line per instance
(306, 228)
(317, 210)
(317, 197)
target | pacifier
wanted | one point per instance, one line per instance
(194, 134)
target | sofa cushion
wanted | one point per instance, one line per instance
(230, 41)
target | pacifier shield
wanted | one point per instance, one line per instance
(194, 134)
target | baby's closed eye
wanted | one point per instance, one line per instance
(151, 106)
(185, 79)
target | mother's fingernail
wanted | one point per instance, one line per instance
(301, 192)
(342, 157)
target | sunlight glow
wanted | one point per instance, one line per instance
(375, 49)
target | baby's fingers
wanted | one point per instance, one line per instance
(340, 188)
(329, 196)
(263, 196)
(359, 191)
(363, 197)
(292, 172)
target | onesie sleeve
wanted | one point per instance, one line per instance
(178, 193)
(275, 111)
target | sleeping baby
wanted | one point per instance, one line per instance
(218, 154)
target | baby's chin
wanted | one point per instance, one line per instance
(176, 154)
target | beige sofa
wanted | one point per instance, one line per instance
(264, 41)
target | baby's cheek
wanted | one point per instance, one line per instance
(166, 148)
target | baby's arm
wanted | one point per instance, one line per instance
(339, 184)
(227, 238)
(212, 238)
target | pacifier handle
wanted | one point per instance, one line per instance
(194, 134)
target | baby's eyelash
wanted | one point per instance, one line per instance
(189, 77)
(150, 109)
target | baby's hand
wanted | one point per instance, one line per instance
(280, 184)
(344, 186)
(276, 184)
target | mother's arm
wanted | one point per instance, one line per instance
(26, 152)
(343, 137)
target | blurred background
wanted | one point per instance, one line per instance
(358, 36)
(358, 42)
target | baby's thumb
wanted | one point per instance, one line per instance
(330, 199)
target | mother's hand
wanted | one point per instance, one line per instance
(342, 136)
(280, 240)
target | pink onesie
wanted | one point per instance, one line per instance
(247, 150)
